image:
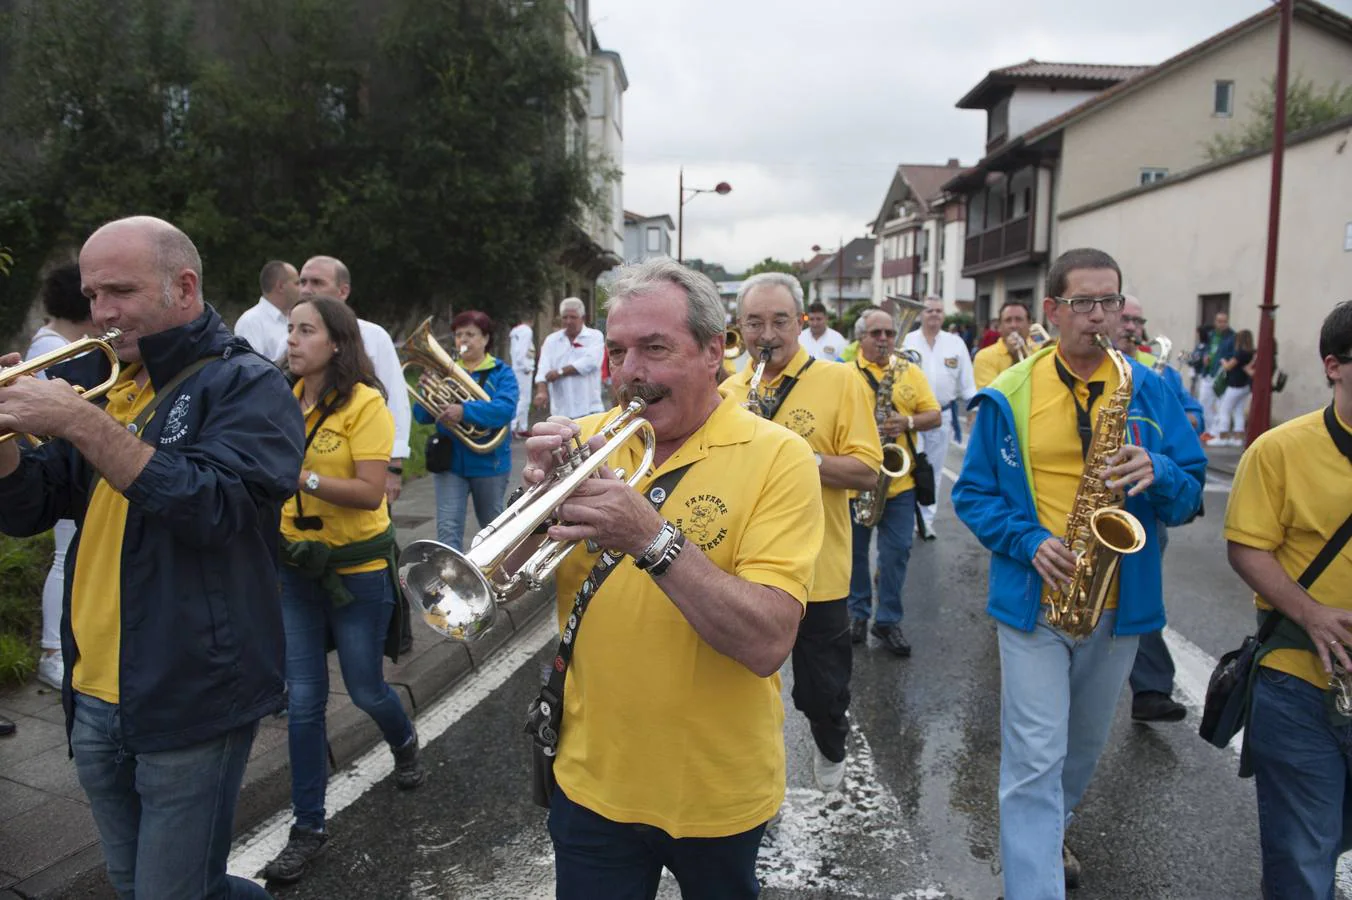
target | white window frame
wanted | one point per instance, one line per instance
(1229, 109)
(653, 239)
(1152, 174)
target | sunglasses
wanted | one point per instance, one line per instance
(879, 333)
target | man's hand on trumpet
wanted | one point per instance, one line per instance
(39, 406)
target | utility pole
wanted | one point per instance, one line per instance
(840, 279)
(1260, 413)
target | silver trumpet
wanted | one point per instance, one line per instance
(458, 593)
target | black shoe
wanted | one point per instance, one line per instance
(1072, 866)
(858, 630)
(303, 846)
(408, 772)
(892, 639)
(1152, 706)
(7, 727)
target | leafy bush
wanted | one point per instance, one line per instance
(23, 569)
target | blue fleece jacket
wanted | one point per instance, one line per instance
(499, 382)
(994, 495)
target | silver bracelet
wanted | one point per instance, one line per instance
(672, 551)
(658, 548)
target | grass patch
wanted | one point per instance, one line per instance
(416, 464)
(23, 569)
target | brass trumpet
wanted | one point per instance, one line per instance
(458, 593)
(103, 343)
(450, 384)
(733, 344)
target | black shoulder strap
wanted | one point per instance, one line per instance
(775, 404)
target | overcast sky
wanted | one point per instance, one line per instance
(807, 107)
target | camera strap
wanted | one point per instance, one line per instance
(546, 711)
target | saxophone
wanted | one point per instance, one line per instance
(1166, 347)
(1098, 531)
(755, 401)
(868, 506)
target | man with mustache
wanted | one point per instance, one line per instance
(832, 409)
(670, 748)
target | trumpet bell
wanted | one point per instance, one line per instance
(733, 345)
(451, 594)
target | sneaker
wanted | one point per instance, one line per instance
(1071, 864)
(7, 727)
(931, 536)
(892, 639)
(1153, 706)
(827, 775)
(51, 669)
(408, 771)
(302, 846)
(858, 630)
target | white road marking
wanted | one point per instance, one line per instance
(255, 850)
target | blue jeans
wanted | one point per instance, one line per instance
(1057, 700)
(956, 415)
(896, 530)
(358, 630)
(597, 859)
(453, 491)
(1301, 763)
(165, 818)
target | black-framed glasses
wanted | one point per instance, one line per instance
(1109, 303)
(1344, 358)
(879, 334)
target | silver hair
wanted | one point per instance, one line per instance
(573, 303)
(704, 314)
(859, 326)
(783, 279)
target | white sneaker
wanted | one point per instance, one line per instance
(827, 775)
(51, 669)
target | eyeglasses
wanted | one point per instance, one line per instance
(1109, 303)
(879, 333)
(778, 323)
(1132, 320)
(1344, 358)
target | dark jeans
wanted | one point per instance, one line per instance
(1301, 765)
(165, 818)
(822, 663)
(597, 859)
(1154, 666)
(896, 531)
(358, 630)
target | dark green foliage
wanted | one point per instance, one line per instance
(421, 142)
(23, 569)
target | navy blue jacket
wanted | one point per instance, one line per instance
(202, 648)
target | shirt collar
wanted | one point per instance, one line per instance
(271, 311)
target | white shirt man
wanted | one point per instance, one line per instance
(324, 276)
(523, 365)
(948, 368)
(568, 378)
(818, 339)
(263, 325)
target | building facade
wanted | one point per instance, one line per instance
(647, 237)
(918, 235)
(843, 278)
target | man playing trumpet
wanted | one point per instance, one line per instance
(671, 750)
(910, 408)
(833, 411)
(1015, 344)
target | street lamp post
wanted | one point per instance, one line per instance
(721, 188)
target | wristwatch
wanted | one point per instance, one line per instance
(395, 470)
(312, 482)
(819, 459)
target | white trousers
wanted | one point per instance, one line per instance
(55, 586)
(1206, 395)
(1232, 408)
(935, 442)
(524, 387)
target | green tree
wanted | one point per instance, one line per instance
(1306, 107)
(770, 264)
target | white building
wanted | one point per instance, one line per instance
(919, 235)
(647, 237)
(842, 279)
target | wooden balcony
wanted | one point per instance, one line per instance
(1007, 244)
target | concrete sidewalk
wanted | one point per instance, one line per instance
(48, 844)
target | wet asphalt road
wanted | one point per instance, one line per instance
(1165, 817)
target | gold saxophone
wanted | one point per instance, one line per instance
(755, 401)
(868, 506)
(1098, 531)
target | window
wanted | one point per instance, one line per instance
(1225, 99)
(940, 292)
(654, 239)
(998, 122)
(943, 245)
(1150, 175)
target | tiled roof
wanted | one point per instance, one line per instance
(1037, 69)
(927, 182)
(858, 262)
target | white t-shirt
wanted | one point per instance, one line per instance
(45, 341)
(829, 346)
(577, 395)
(264, 327)
(523, 349)
(948, 365)
(385, 358)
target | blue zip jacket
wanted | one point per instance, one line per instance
(1191, 405)
(994, 495)
(499, 382)
(201, 626)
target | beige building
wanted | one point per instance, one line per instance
(1138, 125)
(1196, 243)
(919, 232)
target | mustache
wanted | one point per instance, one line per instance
(647, 391)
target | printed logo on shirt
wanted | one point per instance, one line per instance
(175, 424)
(800, 421)
(951, 362)
(1009, 452)
(327, 441)
(907, 393)
(701, 524)
(829, 350)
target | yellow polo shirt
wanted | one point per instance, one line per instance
(1054, 442)
(990, 362)
(96, 591)
(659, 727)
(1291, 493)
(832, 408)
(911, 395)
(362, 430)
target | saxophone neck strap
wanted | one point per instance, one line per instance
(1084, 424)
(770, 406)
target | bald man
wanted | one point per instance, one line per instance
(325, 276)
(171, 628)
